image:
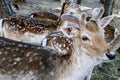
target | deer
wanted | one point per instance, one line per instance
(68, 7)
(32, 30)
(59, 42)
(43, 63)
(93, 28)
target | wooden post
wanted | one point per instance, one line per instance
(2, 10)
(79, 1)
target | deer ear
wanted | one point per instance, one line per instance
(98, 14)
(95, 12)
(70, 31)
(106, 20)
(70, 17)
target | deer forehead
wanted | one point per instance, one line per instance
(93, 32)
(92, 26)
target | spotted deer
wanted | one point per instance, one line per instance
(20, 61)
(50, 16)
(88, 42)
(25, 61)
(32, 30)
(68, 7)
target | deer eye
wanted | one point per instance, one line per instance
(85, 38)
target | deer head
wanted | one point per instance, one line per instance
(90, 35)
(59, 42)
(85, 43)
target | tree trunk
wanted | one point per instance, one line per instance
(102, 1)
(78, 1)
(108, 5)
(2, 10)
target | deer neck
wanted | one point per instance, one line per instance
(78, 66)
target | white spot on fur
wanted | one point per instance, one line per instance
(17, 59)
(14, 63)
(41, 63)
(52, 73)
(20, 45)
(44, 42)
(64, 45)
(60, 45)
(28, 54)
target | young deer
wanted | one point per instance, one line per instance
(68, 7)
(50, 16)
(88, 44)
(32, 30)
(40, 63)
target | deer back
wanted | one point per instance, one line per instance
(22, 28)
(19, 59)
(45, 15)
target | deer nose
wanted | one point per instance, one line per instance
(110, 56)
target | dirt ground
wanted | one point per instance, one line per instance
(109, 71)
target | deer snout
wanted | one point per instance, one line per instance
(111, 55)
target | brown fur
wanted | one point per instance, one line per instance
(24, 24)
(19, 58)
(59, 40)
(92, 26)
(18, 23)
(45, 15)
(98, 45)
